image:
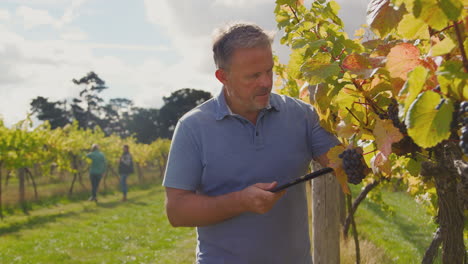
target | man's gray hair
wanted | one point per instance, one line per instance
(94, 147)
(236, 36)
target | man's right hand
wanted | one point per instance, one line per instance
(188, 208)
(257, 198)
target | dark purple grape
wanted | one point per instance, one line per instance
(353, 165)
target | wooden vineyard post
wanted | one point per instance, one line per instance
(325, 219)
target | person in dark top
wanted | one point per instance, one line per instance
(125, 169)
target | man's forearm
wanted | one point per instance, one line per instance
(191, 209)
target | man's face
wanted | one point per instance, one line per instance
(248, 80)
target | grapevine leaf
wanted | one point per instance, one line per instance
(314, 45)
(299, 43)
(318, 68)
(346, 97)
(382, 17)
(413, 28)
(285, 2)
(452, 8)
(380, 164)
(428, 120)
(443, 47)
(402, 59)
(413, 87)
(295, 61)
(453, 80)
(430, 12)
(320, 95)
(360, 65)
(385, 135)
(346, 129)
(336, 163)
(413, 167)
(331, 11)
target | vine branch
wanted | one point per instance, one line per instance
(294, 13)
(460, 45)
(349, 110)
(445, 28)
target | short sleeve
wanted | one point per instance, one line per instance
(320, 140)
(184, 165)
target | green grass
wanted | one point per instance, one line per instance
(62, 230)
(404, 235)
(111, 231)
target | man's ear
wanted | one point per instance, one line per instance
(221, 76)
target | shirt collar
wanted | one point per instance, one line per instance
(223, 110)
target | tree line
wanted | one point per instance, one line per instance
(119, 115)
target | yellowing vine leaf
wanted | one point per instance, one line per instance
(361, 65)
(402, 59)
(431, 13)
(386, 134)
(443, 47)
(380, 164)
(413, 28)
(382, 17)
(346, 130)
(336, 163)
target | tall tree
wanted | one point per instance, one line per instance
(117, 114)
(144, 124)
(54, 112)
(87, 109)
(176, 105)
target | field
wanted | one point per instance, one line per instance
(137, 231)
(110, 231)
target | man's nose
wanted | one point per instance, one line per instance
(266, 80)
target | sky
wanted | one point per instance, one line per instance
(143, 49)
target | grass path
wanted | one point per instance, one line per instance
(111, 231)
(404, 233)
(137, 231)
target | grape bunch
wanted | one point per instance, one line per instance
(392, 114)
(353, 165)
(463, 114)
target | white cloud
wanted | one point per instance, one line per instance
(33, 17)
(4, 15)
(126, 47)
(71, 12)
(30, 68)
(73, 34)
(245, 4)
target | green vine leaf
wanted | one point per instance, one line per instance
(318, 68)
(453, 80)
(413, 87)
(428, 120)
(452, 8)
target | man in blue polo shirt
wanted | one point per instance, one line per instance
(228, 153)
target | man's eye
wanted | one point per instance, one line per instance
(255, 75)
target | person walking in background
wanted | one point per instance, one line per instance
(228, 154)
(125, 169)
(96, 170)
